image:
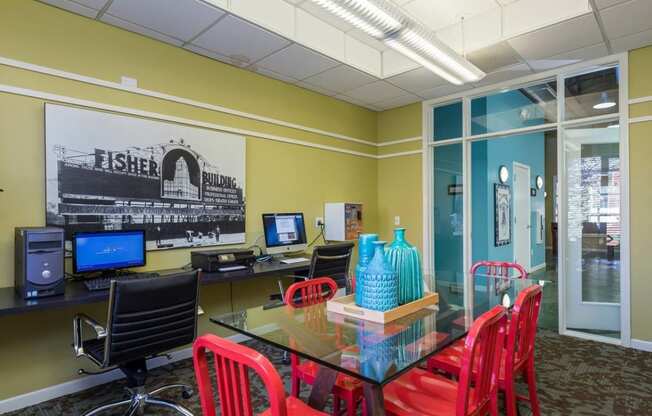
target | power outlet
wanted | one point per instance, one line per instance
(319, 222)
(397, 220)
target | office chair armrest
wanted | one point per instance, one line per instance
(78, 333)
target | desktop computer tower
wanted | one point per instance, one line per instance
(39, 262)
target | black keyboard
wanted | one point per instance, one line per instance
(104, 282)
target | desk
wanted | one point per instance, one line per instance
(77, 294)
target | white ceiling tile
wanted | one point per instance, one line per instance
(395, 63)
(275, 75)
(321, 14)
(93, 4)
(316, 88)
(444, 90)
(214, 55)
(637, 40)
(319, 35)
(297, 62)
(375, 92)
(494, 57)
(568, 58)
(222, 4)
(357, 102)
(483, 29)
(442, 13)
(275, 15)
(452, 37)
(556, 39)
(340, 79)
(240, 40)
(526, 15)
(398, 101)
(112, 20)
(603, 4)
(505, 74)
(366, 39)
(181, 19)
(627, 18)
(417, 80)
(363, 56)
(71, 6)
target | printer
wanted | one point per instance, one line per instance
(222, 260)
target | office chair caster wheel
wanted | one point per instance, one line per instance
(187, 393)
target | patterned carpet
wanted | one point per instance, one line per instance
(575, 377)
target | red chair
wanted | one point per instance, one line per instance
(499, 268)
(519, 352)
(475, 394)
(347, 389)
(233, 362)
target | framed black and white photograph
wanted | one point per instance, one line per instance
(503, 215)
(185, 186)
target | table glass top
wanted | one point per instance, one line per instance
(369, 351)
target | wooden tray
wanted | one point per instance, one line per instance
(345, 305)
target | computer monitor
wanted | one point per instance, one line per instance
(284, 233)
(107, 250)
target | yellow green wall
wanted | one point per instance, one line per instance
(35, 347)
(399, 178)
(640, 170)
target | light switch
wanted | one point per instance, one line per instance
(397, 220)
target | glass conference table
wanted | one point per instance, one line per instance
(373, 353)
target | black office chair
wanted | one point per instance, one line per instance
(332, 260)
(146, 318)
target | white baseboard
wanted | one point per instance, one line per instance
(537, 267)
(80, 384)
(642, 345)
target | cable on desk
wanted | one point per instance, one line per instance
(321, 234)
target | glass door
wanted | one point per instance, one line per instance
(593, 229)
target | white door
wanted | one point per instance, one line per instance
(522, 217)
(592, 241)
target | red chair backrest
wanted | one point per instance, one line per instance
(312, 292)
(523, 328)
(483, 350)
(232, 364)
(499, 268)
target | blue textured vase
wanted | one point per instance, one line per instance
(406, 261)
(365, 254)
(379, 291)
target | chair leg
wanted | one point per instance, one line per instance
(186, 390)
(351, 406)
(510, 398)
(531, 379)
(337, 405)
(170, 405)
(295, 385)
(493, 405)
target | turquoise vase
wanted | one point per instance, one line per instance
(365, 254)
(406, 261)
(379, 291)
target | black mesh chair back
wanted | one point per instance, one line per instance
(150, 316)
(332, 261)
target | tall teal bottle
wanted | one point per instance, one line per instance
(406, 261)
(379, 291)
(365, 254)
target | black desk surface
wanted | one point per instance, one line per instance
(77, 294)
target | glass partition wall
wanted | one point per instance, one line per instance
(535, 172)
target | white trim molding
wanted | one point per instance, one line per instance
(537, 267)
(408, 153)
(640, 100)
(639, 344)
(84, 383)
(641, 119)
(400, 141)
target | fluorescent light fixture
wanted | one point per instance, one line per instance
(364, 15)
(400, 48)
(386, 22)
(604, 103)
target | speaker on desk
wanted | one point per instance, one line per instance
(39, 262)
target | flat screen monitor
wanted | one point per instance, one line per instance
(107, 250)
(284, 233)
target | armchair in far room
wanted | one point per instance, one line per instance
(331, 260)
(146, 318)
